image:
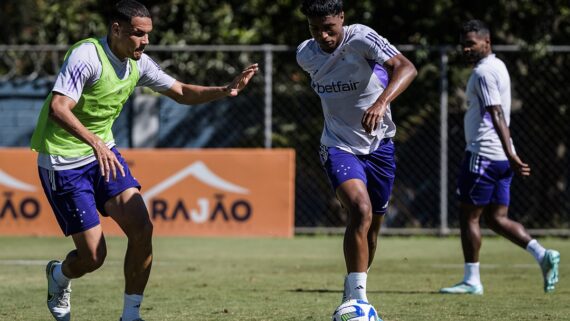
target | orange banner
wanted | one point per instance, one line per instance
(205, 192)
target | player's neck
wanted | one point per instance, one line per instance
(114, 49)
(483, 57)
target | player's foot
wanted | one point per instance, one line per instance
(463, 288)
(58, 298)
(549, 267)
(121, 319)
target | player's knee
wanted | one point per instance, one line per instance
(142, 236)
(361, 215)
(94, 260)
(496, 219)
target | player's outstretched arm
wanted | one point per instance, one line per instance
(189, 94)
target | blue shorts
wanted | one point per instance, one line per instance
(482, 181)
(76, 194)
(376, 170)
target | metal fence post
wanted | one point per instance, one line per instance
(443, 103)
(268, 91)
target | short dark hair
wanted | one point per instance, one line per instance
(126, 10)
(477, 26)
(321, 8)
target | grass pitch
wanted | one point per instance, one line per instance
(296, 279)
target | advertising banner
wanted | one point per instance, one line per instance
(200, 192)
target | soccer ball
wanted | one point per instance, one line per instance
(355, 310)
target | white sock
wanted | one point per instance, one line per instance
(131, 307)
(471, 274)
(59, 277)
(357, 285)
(534, 248)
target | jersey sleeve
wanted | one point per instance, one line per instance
(301, 55)
(152, 76)
(487, 87)
(373, 46)
(81, 69)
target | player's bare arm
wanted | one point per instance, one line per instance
(504, 134)
(60, 112)
(189, 94)
(402, 72)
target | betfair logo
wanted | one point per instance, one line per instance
(335, 87)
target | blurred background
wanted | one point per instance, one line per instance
(208, 42)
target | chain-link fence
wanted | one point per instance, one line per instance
(279, 109)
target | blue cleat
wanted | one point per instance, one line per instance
(549, 267)
(463, 288)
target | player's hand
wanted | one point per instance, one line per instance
(108, 162)
(372, 117)
(518, 166)
(242, 80)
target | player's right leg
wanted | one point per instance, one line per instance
(474, 193)
(70, 195)
(348, 179)
(354, 197)
(471, 244)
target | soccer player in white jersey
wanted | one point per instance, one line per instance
(490, 163)
(357, 74)
(80, 168)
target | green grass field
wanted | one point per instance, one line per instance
(297, 279)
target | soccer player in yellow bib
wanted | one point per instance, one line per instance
(81, 170)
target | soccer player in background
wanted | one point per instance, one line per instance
(357, 74)
(490, 162)
(80, 168)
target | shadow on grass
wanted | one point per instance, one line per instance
(378, 292)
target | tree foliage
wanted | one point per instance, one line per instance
(424, 22)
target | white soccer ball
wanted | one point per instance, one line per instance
(355, 310)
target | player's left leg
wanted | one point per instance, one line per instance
(121, 200)
(130, 213)
(496, 216)
(373, 234)
(380, 168)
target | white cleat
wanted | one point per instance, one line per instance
(58, 298)
(463, 288)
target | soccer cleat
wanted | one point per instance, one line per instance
(549, 267)
(58, 298)
(121, 319)
(463, 288)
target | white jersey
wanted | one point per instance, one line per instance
(348, 81)
(81, 69)
(488, 85)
